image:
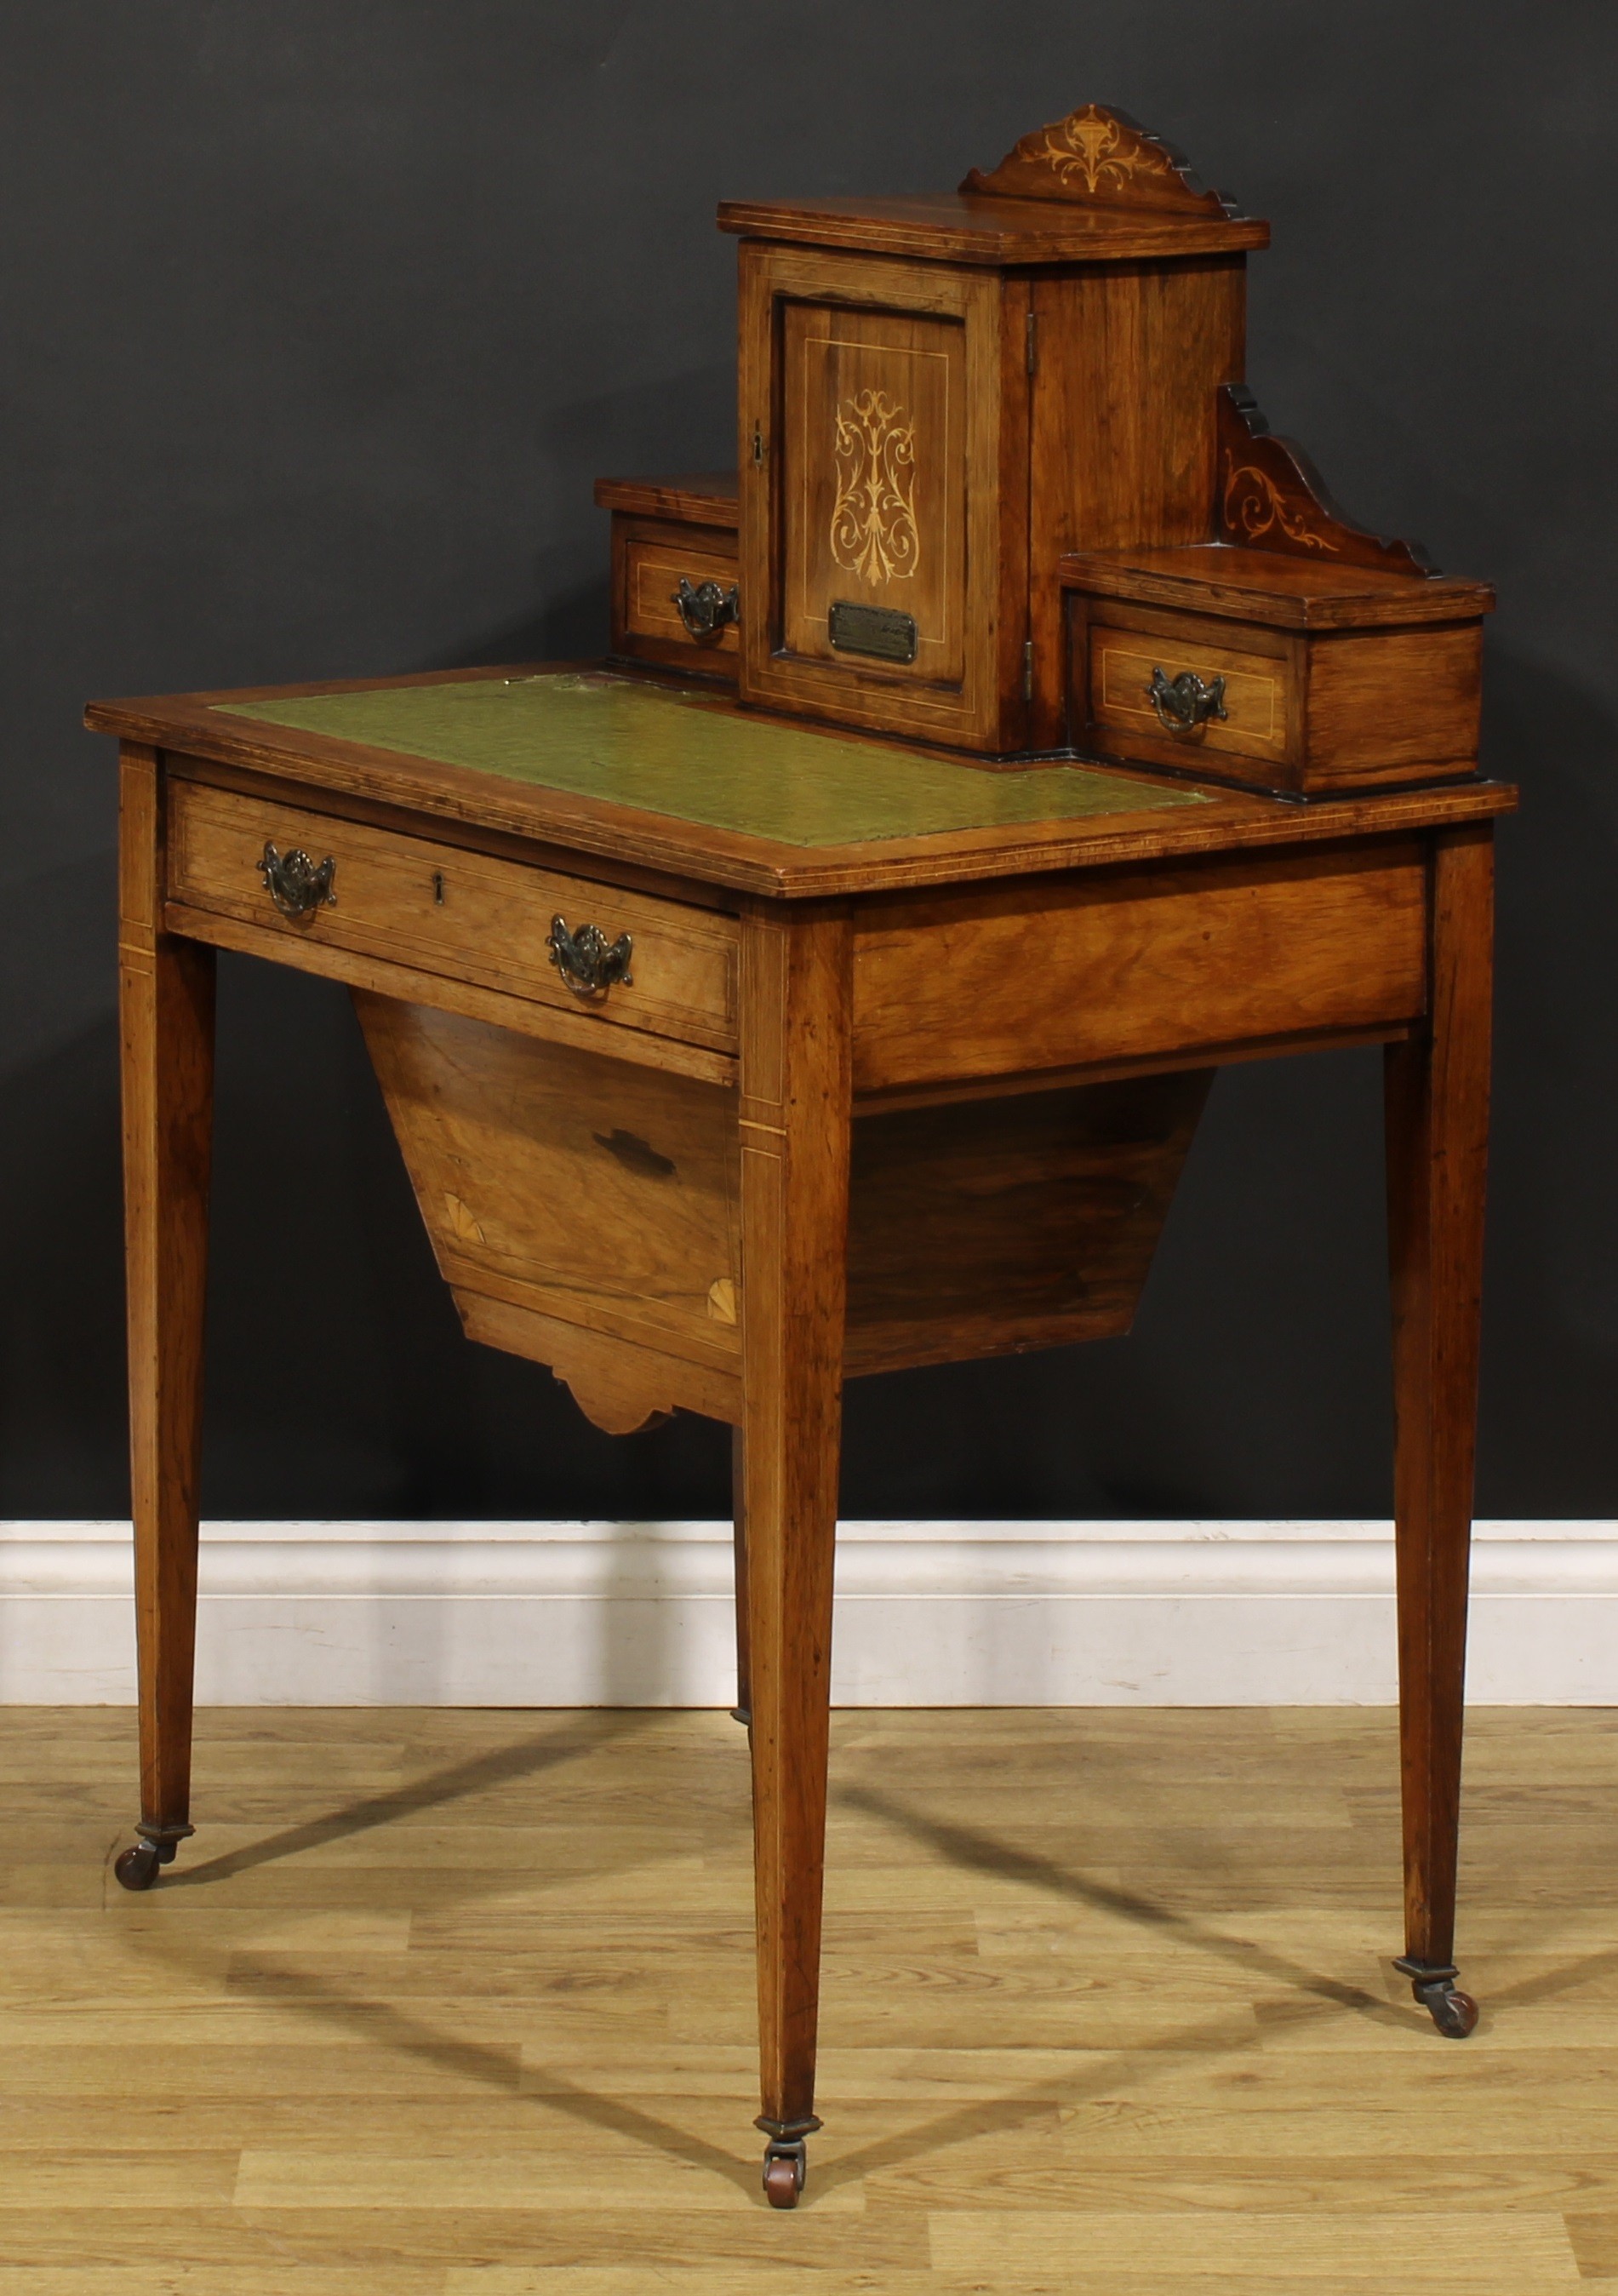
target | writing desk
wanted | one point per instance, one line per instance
(874, 1057)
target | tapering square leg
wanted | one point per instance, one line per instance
(796, 1116)
(167, 1011)
(1437, 1091)
(742, 1711)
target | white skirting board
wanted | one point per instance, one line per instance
(929, 1614)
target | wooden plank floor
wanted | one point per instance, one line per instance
(441, 2003)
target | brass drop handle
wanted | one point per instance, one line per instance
(588, 961)
(1183, 703)
(297, 885)
(707, 608)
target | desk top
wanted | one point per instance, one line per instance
(660, 773)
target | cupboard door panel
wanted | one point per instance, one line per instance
(874, 448)
(884, 493)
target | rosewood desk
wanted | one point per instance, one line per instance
(729, 1057)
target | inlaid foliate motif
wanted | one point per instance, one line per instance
(1271, 498)
(1089, 146)
(1101, 155)
(1254, 505)
(873, 521)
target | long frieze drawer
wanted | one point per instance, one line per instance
(1135, 964)
(656, 965)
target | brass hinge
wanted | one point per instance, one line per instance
(1033, 359)
(1028, 670)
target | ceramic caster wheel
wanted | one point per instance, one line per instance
(784, 2176)
(138, 1867)
(1453, 2011)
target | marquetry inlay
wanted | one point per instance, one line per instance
(1254, 504)
(1090, 145)
(873, 521)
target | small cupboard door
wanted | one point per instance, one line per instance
(883, 495)
(872, 447)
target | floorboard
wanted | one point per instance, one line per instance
(461, 2003)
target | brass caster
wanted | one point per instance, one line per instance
(785, 2166)
(138, 1867)
(1453, 2011)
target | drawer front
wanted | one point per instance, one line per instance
(654, 573)
(651, 557)
(1257, 697)
(1139, 964)
(444, 910)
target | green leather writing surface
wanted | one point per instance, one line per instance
(596, 734)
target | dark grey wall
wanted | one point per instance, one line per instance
(317, 323)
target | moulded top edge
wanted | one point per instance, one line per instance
(964, 228)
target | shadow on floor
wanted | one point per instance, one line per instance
(1091, 2073)
(498, 1767)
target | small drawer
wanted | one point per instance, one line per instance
(656, 565)
(1131, 659)
(656, 571)
(441, 909)
(1273, 672)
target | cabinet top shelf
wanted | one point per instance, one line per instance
(1004, 233)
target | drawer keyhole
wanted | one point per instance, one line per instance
(438, 887)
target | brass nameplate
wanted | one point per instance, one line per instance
(880, 631)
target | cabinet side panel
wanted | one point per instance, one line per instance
(1128, 359)
(1382, 702)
